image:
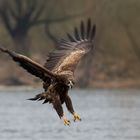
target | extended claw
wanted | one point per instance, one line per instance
(66, 121)
(76, 117)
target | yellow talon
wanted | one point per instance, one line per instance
(66, 121)
(76, 117)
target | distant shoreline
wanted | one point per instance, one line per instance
(20, 88)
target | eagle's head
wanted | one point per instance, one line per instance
(62, 79)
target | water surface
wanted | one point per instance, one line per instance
(106, 115)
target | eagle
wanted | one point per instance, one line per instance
(57, 74)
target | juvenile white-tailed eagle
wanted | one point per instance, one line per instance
(58, 72)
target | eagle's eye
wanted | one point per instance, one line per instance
(70, 84)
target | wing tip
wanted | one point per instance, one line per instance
(87, 31)
(84, 32)
(3, 49)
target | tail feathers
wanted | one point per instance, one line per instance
(37, 97)
(45, 101)
(40, 97)
(33, 99)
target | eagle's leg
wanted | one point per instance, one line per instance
(69, 106)
(58, 107)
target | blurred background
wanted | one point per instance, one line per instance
(31, 27)
(108, 109)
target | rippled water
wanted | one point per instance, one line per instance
(106, 115)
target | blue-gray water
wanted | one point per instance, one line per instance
(106, 115)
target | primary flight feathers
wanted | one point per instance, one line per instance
(30, 65)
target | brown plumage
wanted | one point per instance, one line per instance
(58, 72)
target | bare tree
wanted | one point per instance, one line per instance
(19, 17)
(131, 37)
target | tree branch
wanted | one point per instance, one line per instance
(6, 20)
(50, 35)
(38, 12)
(19, 8)
(131, 38)
(54, 20)
(134, 44)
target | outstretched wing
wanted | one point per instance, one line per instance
(29, 65)
(64, 59)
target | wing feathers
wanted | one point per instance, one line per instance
(72, 39)
(67, 54)
(65, 57)
(76, 34)
(88, 27)
(93, 32)
(29, 65)
(82, 30)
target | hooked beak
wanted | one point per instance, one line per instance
(70, 84)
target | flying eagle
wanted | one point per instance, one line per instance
(58, 72)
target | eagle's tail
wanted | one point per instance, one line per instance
(39, 97)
